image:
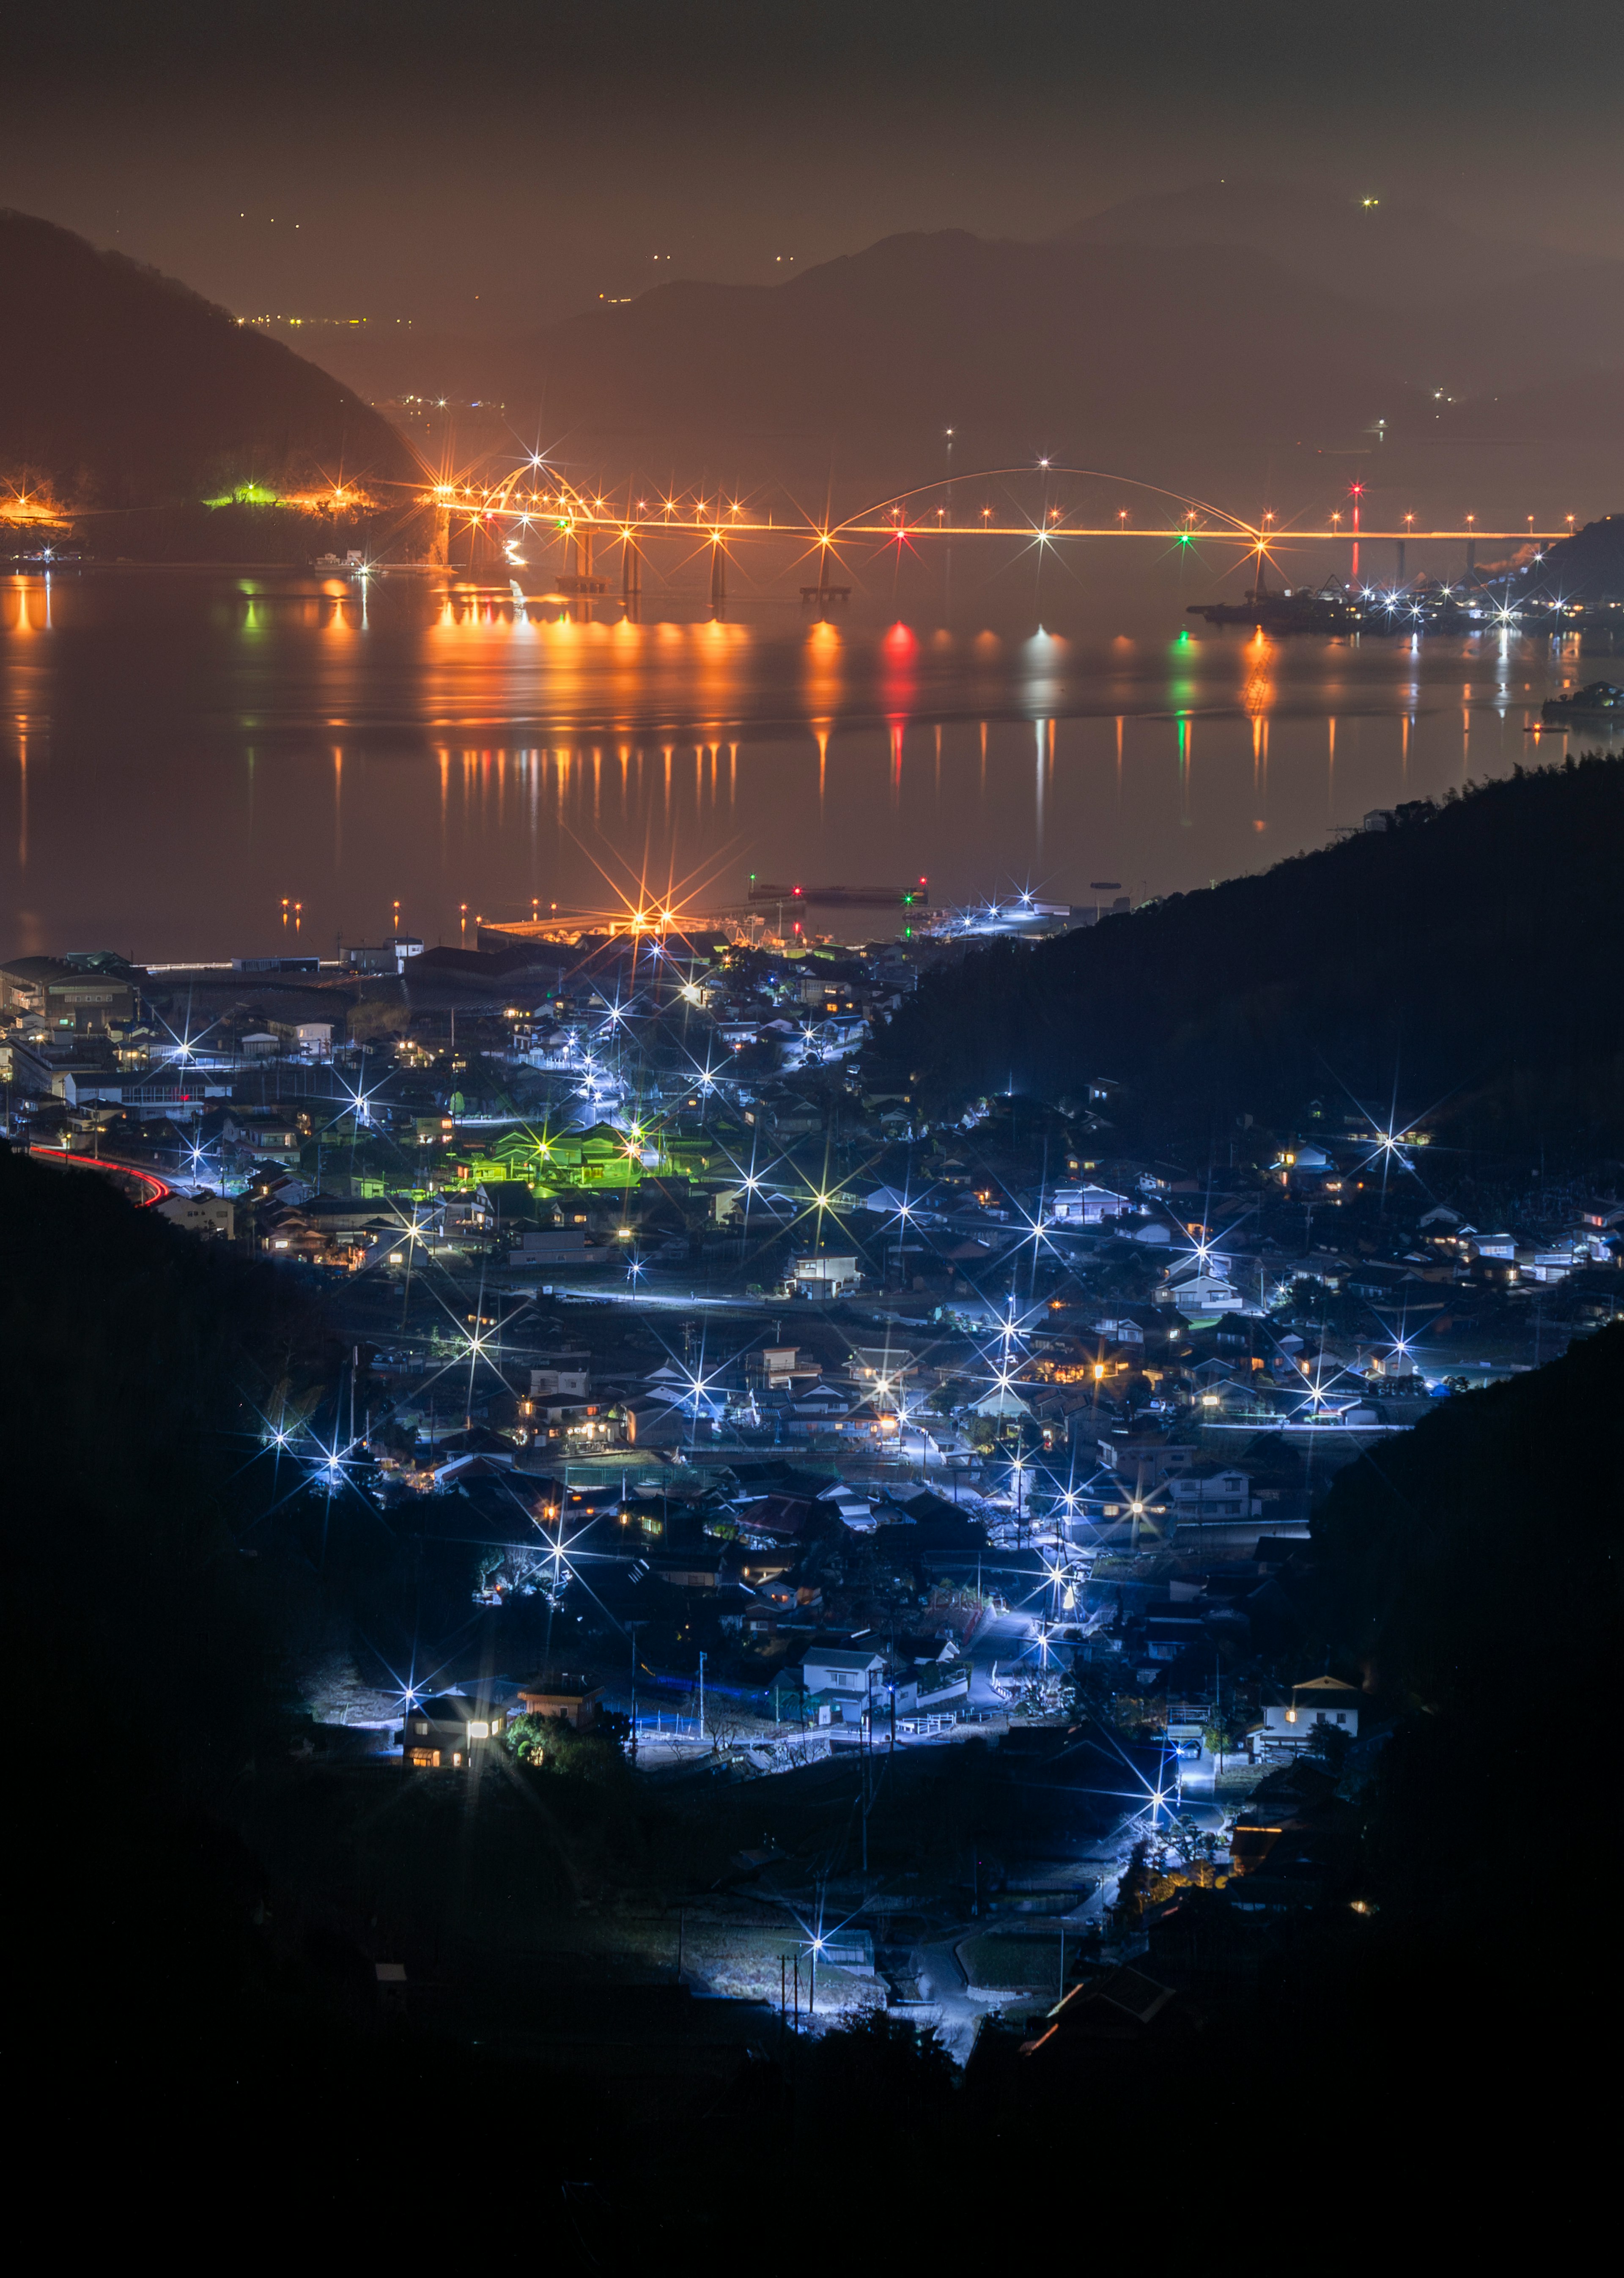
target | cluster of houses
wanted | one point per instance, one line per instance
(1073, 1343)
(572, 1108)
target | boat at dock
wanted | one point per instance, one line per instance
(1328, 609)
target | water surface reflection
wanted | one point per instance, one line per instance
(204, 765)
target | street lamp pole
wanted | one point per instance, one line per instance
(631, 1630)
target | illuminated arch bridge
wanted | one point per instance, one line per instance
(1043, 505)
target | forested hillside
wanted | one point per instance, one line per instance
(120, 388)
(1469, 960)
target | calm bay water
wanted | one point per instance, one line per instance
(185, 754)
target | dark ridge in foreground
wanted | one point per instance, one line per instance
(1468, 1576)
(1465, 962)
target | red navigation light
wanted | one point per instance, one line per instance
(794, 890)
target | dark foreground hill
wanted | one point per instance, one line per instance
(122, 389)
(190, 1957)
(1469, 958)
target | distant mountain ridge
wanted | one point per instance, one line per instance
(1242, 313)
(124, 389)
(1040, 344)
(1392, 253)
(1443, 305)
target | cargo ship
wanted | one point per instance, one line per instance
(1334, 609)
(846, 897)
(1325, 609)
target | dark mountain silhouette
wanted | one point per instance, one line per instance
(1027, 348)
(1226, 316)
(1528, 331)
(1583, 409)
(1470, 952)
(1559, 411)
(1442, 306)
(121, 388)
(1396, 255)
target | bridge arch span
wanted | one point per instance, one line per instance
(1233, 524)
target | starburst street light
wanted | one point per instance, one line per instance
(196, 1158)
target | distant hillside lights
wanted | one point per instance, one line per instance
(338, 498)
(27, 507)
(330, 322)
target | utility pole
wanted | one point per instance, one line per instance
(702, 1695)
(948, 549)
(631, 1630)
(865, 1728)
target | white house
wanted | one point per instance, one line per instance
(1289, 1726)
(1501, 1246)
(1003, 1400)
(1086, 1206)
(560, 1383)
(567, 1246)
(1146, 1457)
(856, 1510)
(823, 1274)
(880, 1366)
(204, 1213)
(1206, 1494)
(1303, 1158)
(1201, 1292)
(853, 1677)
(443, 1732)
(1550, 1265)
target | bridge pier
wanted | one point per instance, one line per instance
(1471, 567)
(583, 553)
(1401, 560)
(718, 576)
(631, 573)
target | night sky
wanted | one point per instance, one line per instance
(494, 165)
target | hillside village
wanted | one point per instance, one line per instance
(669, 1314)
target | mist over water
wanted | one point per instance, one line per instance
(185, 754)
